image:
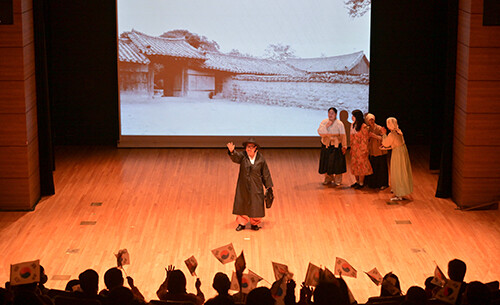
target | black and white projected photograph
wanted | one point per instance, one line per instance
(234, 68)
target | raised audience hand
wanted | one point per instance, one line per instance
(197, 284)
(130, 281)
(169, 269)
(305, 294)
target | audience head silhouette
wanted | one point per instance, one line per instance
(260, 296)
(327, 293)
(456, 270)
(113, 278)
(416, 295)
(221, 283)
(390, 285)
(176, 282)
(89, 282)
(120, 296)
(477, 293)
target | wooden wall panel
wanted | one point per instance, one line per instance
(472, 33)
(468, 194)
(462, 60)
(33, 160)
(21, 6)
(17, 63)
(12, 64)
(29, 60)
(476, 143)
(471, 6)
(483, 36)
(19, 163)
(31, 125)
(477, 96)
(27, 28)
(477, 128)
(17, 96)
(30, 92)
(484, 63)
(13, 162)
(460, 124)
(13, 129)
(12, 96)
(11, 35)
(18, 129)
(15, 193)
(458, 157)
(481, 162)
(482, 129)
(34, 187)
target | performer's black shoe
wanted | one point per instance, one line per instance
(355, 185)
(255, 227)
(240, 227)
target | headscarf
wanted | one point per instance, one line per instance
(368, 117)
(392, 124)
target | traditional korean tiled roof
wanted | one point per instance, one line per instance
(174, 47)
(248, 65)
(127, 52)
(342, 63)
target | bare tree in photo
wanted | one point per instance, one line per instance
(357, 8)
(279, 52)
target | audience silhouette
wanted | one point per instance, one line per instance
(329, 290)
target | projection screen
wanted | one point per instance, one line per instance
(196, 73)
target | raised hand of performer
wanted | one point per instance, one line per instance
(384, 131)
(230, 146)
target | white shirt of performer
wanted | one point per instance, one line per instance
(332, 135)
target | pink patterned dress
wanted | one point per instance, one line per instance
(360, 164)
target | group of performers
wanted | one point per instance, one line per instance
(369, 146)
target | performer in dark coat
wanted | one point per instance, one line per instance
(254, 173)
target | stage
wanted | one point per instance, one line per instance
(165, 205)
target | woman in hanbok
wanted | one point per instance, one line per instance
(401, 174)
(333, 147)
(378, 157)
(360, 164)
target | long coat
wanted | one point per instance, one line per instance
(249, 197)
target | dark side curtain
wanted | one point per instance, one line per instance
(45, 146)
(444, 186)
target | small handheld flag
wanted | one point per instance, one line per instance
(278, 288)
(375, 276)
(312, 275)
(281, 270)
(225, 254)
(439, 277)
(255, 275)
(191, 264)
(449, 293)
(25, 273)
(240, 266)
(122, 258)
(248, 283)
(328, 276)
(342, 267)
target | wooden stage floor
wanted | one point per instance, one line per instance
(165, 205)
